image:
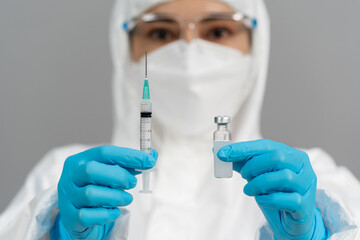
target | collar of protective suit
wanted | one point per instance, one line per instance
(185, 193)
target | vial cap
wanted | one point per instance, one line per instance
(222, 119)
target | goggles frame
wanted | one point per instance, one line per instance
(130, 25)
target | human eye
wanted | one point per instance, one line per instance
(218, 33)
(217, 30)
(161, 34)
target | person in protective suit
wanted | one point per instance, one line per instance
(206, 58)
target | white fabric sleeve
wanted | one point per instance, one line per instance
(37, 194)
(31, 212)
(337, 198)
(35, 220)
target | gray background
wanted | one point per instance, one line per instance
(55, 79)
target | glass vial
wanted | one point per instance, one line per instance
(222, 137)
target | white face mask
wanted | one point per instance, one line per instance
(190, 83)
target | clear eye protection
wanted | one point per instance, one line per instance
(156, 29)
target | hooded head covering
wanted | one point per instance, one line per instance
(245, 124)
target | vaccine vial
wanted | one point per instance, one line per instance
(222, 137)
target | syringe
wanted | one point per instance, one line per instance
(145, 128)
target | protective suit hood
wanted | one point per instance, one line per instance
(245, 124)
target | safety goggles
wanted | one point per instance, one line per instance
(163, 28)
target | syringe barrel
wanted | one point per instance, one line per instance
(145, 133)
(145, 141)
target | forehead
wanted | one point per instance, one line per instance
(191, 7)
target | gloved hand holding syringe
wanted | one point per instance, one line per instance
(93, 183)
(145, 129)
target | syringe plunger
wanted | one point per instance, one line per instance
(145, 181)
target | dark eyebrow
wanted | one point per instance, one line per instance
(217, 16)
(168, 20)
(210, 19)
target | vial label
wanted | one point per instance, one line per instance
(222, 169)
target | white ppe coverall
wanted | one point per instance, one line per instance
(188, 202)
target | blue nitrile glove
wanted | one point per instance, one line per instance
(284, 185)
(91, 188)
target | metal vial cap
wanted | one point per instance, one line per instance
(222, 119)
